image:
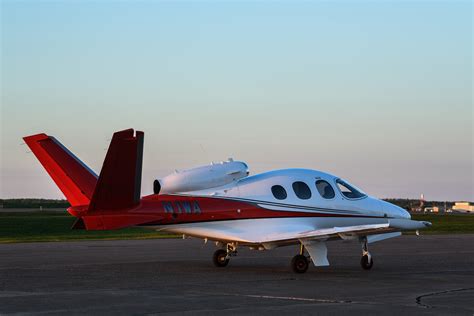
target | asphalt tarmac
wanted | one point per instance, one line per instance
(411, 275)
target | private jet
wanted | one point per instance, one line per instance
(220, 202)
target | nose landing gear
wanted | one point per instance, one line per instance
(366, 262)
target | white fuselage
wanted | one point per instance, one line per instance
(344, 211)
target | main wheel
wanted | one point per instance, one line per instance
(365, 263)
(220, 258)
(299, 264)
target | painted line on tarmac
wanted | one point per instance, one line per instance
(287, 298)
(292, 298)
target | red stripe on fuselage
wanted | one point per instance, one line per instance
(180, 209)
(186, 209)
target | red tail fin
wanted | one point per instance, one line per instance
(72, 176)
(119, 182)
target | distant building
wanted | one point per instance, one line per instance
(463, 207)
(433, 209)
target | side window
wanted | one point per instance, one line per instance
(349, 191)
(279, 192)
(301, 190)
(325, 189)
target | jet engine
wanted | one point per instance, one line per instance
(201, 178)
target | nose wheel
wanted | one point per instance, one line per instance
(366, 262)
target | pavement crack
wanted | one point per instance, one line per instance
(419, 298)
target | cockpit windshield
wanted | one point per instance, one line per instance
(349, 191)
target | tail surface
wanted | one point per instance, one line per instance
(72, 176)
(119, 183)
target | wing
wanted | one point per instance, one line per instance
(346, 232)
(274, 232)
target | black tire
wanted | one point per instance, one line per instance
(299, 264)
(220, 258)
(365, 264)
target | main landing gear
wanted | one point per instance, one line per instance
(300, 262)
(221, 257)
(366, 262)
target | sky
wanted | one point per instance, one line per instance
(376, 92)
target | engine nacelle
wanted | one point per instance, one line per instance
(201, 178)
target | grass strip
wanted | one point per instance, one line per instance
(56, 226)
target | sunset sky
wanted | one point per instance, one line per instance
(377, 92)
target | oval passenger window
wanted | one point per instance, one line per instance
(325, 189)
(301, 190)
(279, 192)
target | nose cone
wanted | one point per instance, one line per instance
(395, 211)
